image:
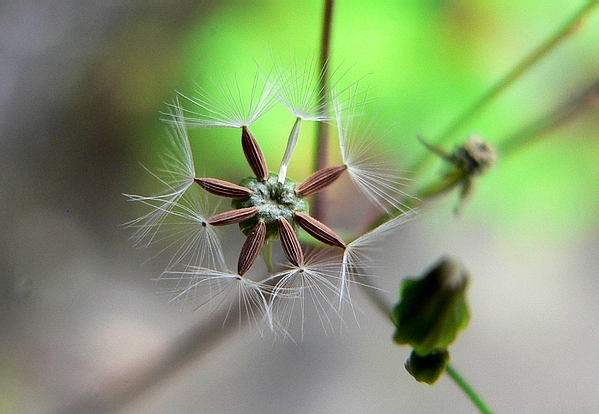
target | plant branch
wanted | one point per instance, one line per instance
(322, 134)
(123, 388)
(589, 98)
(561, 34)
(468, 390)
(535, 131)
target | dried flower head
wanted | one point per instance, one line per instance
(268, 207)
(469, 161)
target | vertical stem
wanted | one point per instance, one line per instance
(536, 55)
(267, 255)
(468, 390)
(322, 127)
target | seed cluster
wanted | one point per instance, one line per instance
(267, 209)
(274, 201)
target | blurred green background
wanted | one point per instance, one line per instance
(82, 85)
(426, 62)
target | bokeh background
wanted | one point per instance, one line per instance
(82, 85)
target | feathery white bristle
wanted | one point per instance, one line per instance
(377, 178)
(301, 88)
(186, 228)
(176, 175)
(295, 288)
(356, 255)
(209, 287)
(227, 107)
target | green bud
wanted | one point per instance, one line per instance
(427, 368)
(432, 310)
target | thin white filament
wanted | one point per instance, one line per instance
(355, 255)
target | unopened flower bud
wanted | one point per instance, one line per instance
(468, 162)
(427, 368)
(432, 310)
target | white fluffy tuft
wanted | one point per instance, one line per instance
(228, 108)
(376, 177)
(176, 175)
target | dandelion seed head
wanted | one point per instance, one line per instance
(268, 206)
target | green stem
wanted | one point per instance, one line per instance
(439, 187)
(535, 131)
(560, 116)
(507, 80)
(322, 134)
(468, 390)
(267, 256)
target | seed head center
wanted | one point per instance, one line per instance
(274, 201)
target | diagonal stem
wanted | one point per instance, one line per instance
(468, 390)
(589, 98)
(125, 387)
(536, 55)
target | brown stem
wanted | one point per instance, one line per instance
(322, 136)
(251, 248)
(253, 154)
(319, 180)
(124, 387)
(290, 243)
(223, 188)
(233, 216)
(318, 230)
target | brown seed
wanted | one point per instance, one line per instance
(223, 188)
(290, 243)
(253, 154)
(233, 216)
(251, 248)
(318, 230)
(319, 180)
